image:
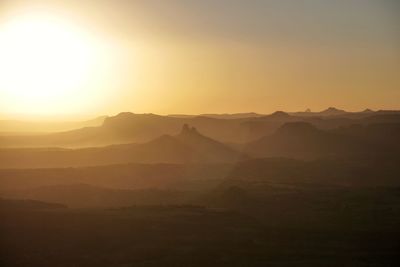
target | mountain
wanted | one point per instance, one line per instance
(303, 140)
(188, 146)
(331, 111)
(128, 127)
(278, 116)
(383, 133)
(220, 116)
(211, 149)
(138, 128)
(17, 127)
(233, 116)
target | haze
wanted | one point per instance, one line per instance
(205, 57)
(218, 133)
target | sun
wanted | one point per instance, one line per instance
(45, 63)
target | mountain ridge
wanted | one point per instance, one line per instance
(138, 128)
(187, 146)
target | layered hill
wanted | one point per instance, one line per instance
(18, 127)
(139, 128)
(188, 146)
(302, 140)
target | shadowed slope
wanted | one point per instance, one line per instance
(303, 140)
(127, 128)
(188, 146)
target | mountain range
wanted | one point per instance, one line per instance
(139, 128)
(24, 127)
(298, 140)
(187, 146)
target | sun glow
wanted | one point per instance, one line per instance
(46, 64)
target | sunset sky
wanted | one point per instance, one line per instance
(81, 58)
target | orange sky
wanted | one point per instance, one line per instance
(228, 56)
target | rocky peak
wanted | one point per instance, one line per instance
(332, 111)
(187, 130)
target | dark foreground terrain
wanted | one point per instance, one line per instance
(314, 228)
(276, 190)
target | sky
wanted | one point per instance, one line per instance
(224, 56)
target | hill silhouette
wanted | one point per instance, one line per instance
(332, 111)
(188, 146)
(139, 128)
(229, 116)
(303, 140)
(9, 127)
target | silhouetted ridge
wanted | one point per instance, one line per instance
(205, 145)
(128, 118)
(232, 116)
(140, 128)
(191, 135)
(187, 146)
(303, 140)
(279, 115)
(187, 130)
(332, 111)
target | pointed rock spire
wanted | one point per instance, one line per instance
(185, 128)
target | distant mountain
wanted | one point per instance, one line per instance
(139, 128)
(278, 115)
(133, 128)
(303, 140)
(233, 116)
(188, 146)
(386, 134)
(211, 149)
(220, 116)
(17, 127)
(331, 111)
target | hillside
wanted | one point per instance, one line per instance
(303, 140)
(22, 127)
(188, 146)
(138, 128)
